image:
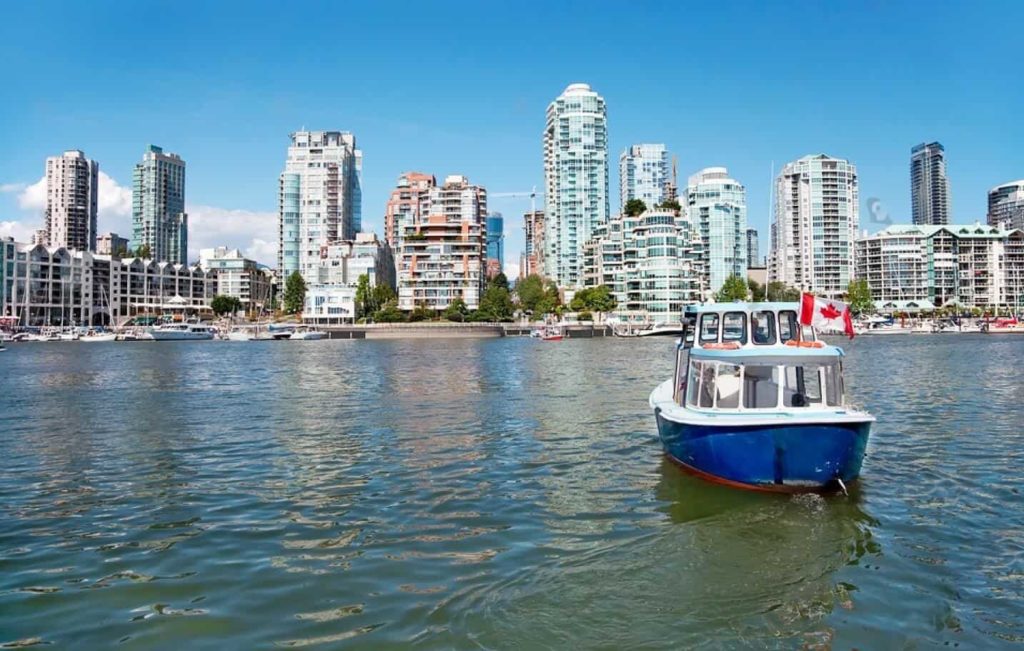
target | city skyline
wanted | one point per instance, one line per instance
(233, 141)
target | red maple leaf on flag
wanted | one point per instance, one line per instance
(830, 312)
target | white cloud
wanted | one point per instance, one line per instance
(20, 231)
(115, 200)
(12, 187)
(254, 233)
(511, 269)
(33, 197)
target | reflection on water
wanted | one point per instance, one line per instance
(467, 493)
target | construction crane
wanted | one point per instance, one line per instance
(533, 207)
(519, 195)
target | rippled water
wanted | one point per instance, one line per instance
(487, 494)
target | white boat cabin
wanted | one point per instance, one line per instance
(755, 357)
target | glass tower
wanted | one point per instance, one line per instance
(717, 206)
(575, 178)
(644, 174)
(929, 187)
(159, 221)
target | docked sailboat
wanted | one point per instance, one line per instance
(758, 402)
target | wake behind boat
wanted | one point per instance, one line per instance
(757, 402)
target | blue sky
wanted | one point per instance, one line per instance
(454, 87)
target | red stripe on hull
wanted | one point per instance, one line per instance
(757, 488)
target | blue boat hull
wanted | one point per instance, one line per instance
(786, 458)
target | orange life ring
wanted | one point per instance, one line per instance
(729, 345)
(805, 344)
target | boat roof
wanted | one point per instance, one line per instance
(742, 306)
(775, 354)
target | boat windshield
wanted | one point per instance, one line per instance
(725, 385)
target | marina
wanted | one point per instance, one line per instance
(154, 493)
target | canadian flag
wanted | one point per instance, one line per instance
(824, 314)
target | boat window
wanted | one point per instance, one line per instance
(728, 385)
(693, 384)
(834, 385)
(734, 327)
(762, 327)
(760, 390)
(802, 386)
(706, 391)
(709, 327)
(788, 326)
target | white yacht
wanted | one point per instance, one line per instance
(306, 333)
(181, 332)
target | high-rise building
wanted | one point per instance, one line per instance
(72, 190)
(159, 221)
(332, 298)
(317, 198)
(495, 244)
(717, 206)
(815, 225)
(443, 253)
(532, 259)
(1006, 205)
(753, 249)
(930, 266)
(645, 174)
(576, 179)
(239, 277)
(410, 200)
(111, 244)
(649, 262)
(929, 187)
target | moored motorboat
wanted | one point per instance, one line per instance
(305, 333)
(661, 330)
(757, 402)
(552, 333)
(181, 332)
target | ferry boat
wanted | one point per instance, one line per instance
(757, 401)
(181, 332)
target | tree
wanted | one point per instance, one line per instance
(585, 316)
(778, 291)
(364, 296)
(634, 207)
(734, 289)
(757, 290)
(294, 293)
(143, 251)
(389, 313)
(222, 304)
(496, 303)
(421, 313)
(671, 204)
(382, 294)
(456, 311)
(601, 300)
(531, 292)
(550, 302)
(858, 294)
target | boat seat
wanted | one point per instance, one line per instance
(728, 387)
